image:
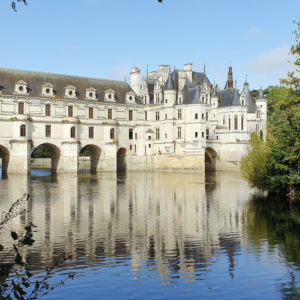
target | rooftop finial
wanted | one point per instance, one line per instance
(204, 67)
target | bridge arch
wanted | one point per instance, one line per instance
(211, 157)
(121, 160)
(4, 154)
(47, 150)
(94, 152)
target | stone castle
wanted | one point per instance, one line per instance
(165, 121)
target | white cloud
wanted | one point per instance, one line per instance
(272, 62)
(120, 71)
(254, 33)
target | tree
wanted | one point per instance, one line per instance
(14, 4)
(25, 2)
(278, 170)
(253, 164)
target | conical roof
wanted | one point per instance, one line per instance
(169, 84)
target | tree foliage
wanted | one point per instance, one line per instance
(253, 165)
(281, 153)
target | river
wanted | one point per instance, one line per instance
(160, 235)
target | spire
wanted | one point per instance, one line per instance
(229, 83)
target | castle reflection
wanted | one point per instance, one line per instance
(169, 222)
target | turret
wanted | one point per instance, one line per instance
(169, 91)
(135, 78)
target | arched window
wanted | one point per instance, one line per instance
(23, 130)
(112, 133)
(235, 122)
(73, 132)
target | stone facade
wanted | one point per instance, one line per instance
(166, 121)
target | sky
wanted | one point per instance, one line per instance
(105, 38)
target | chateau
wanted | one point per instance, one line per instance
(166, 121)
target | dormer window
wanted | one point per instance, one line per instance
(109, 95)
(90, 94)
(21, 87)
(70, 91)
(130, 97)
(47, 90)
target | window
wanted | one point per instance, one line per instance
(166, 135)
(48, 130)
(91, 113)
(73, 132)
(157, 98)
(257, 127)
(207, 116)
(23, 130)
(157, 116)
(48, 110)
(179, 132)
(179, 114)
(149, 146)
(229, 123)
(135, 135)
(157, 134)
(135, 148)
(235, 122)
(224, 120)
(130, 147)
(149, 137)
(112, 133)
(21, 109)
(166, 117)
(202, 116)
(243, 102)
(130, 115)
(166, 100)
(202, 99)
(146, 116)
(258, 114)
(130, 133)
(109, 114)
(202, 134)
(70, 111)
(196, 134)
(242, 122)
(196, 116)
(91, 132)
(207, 134)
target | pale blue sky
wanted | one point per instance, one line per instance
(105, 38)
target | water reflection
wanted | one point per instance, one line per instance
(278, 223)
(169, 223)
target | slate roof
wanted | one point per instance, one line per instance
(35, 81)
(169, 84)
(229, 98)
(232, 98)
(191, 93)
